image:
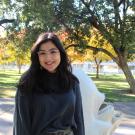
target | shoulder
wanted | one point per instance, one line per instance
(24, 75)
(22, 97)
(76, 86)
(74, 78)
(20, 93)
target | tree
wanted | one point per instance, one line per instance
(112, 18)
(12, 51)
(35, 16)
(20, 51)
(4, 5)
(6, 54)
(77, 55)
(97, 40)
(74, 54)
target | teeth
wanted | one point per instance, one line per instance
(48, 63)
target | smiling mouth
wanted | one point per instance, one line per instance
(49, 64)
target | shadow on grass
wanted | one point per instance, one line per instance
(106, 77)
(7, 85)
(115, 87)
(8, 81)
(4, 75)
(113, 95)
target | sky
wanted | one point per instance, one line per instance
(2, 32)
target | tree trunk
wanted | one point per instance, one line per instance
(97, 71)
(19, 68)
(128, 74)
(98, 62)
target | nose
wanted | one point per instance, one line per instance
(48, 56)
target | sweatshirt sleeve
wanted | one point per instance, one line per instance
(22, 119)
(79, 113)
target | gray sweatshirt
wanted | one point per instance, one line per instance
(38, 113)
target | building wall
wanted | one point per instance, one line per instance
(105, 67)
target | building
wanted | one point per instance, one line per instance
(105, 67)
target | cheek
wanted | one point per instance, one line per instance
(59, 59)
(40, 60)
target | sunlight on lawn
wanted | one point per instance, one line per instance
(8, 82)
(8, 79)
(7, 93)
(115, 87)
(112, 85)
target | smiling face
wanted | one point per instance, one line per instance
(49, 56)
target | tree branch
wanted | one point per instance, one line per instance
(95, 49)
(117, 15)
(6, 21)
(96, 22)
(121, 1)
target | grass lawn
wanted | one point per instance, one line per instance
(8, 81)
(115, 87)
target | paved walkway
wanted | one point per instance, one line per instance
(127, 126)
(6, 116)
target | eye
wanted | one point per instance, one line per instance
(41, 53)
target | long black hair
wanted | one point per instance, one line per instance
(64, 70)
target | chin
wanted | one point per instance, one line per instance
(51, 71)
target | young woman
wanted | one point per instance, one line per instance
(48, 100)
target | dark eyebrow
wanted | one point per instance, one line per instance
(53, 49)
(49, 49)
